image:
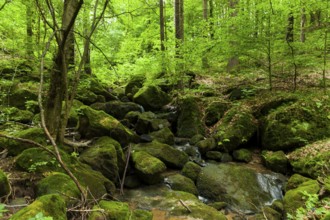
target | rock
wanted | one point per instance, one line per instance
(117, 109)
(242, 155)
(327, 184)
(132, 181)
(215, 111)
(241, 187)
(15, 147)
(295, 180)
(148, 122)
(164, 135)
(196, 138)
(105, 157)
(118, 211)
(295, 198)
(189, 118)
(149, 167)
(312, 160)
(93, 123)
(134, 84)
(277, 205)
(206, 145)
(270, 214)
(236, 128)
(61, 184)
(181, 183)
(218, 205)
(39, 161)
(151, 97)
(216, 155)
(275, 161)
(4, 184)
(22, 93)
(171, 156)
(295, 125)
(16, 115)
(52, 205)
(74, 114)
(226, 157)
(191, 170)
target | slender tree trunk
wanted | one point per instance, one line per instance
(233, 61)
(211, 16)
(179, 25)
(289, 32)
(29, 31)
(86, 20)
(302, 25)
(205, 63)
(162, 25)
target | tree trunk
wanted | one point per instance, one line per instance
(289, 30)
(162, 25)
(233, 61)
(211, 19)
(29, 31)
(302, 25)
(179, 26)
(205, 63)
(86, 23)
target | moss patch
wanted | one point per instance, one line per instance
(181, 183)
(4, 184)
(276, 161)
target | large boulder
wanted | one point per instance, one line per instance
(106, 156)
(295, 125)
(241, 187)
(191, 170)
(147, 122)
(276, 161)
(4, 184)
(149, 167)
(16, 115)
(190, 118)
(151, 97)
(312, 160)
(93, 123)
(51, 205)
(171, 156)
(215, 111)
(181, 183)
(236, 128)
(21, 93)
(117, 109)
(164, 135)
(134, 84)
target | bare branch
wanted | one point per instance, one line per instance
(4, 4)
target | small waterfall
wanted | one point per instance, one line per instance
(272, 184)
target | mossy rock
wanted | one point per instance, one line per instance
(103, 156)
(218, 205)
(112, 211)
(164, 135)
(196, 138)
(151, 97)
(15, 147)
(269, 214)
(52, 205)
(312, 160)
(93, 123)
(134, 84)
(149, 167)
(139, 214)
(179, 182)
(148, 122)
(206, 145)
(295, 180)
(4, 184)
(21, 93)
(62, 184)
(216, 155)
(171, 156)
(74, 113)
(275, 161)
(295, 198)
(117, 109)
(244, 155)
(191, 170)
(292, 126)
(215, 111)
(236, 128)
(190, 117)
(16, 115)
(327, 184)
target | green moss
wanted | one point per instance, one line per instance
(271, 214)
(4, 184)
(218, 205)
(206, 145)
(112, 211)
(216, 155)
(15, 114)
(50, 205)
(181, 183)
(236, 128)
(146, 163)
(139, 214)
(243, 155)
(295, 198)
(151, 97)
(276, 161)
(191, 170)
(164, 135)
(295, 180)
(59, 183)
(215, 111)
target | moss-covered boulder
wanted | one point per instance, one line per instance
(4, 184)
(295, 198)
(215, 111)
(295, 125)
(52, 205)
(171, 156)
(181, 183)
(241, 187)
(94, 123)
(269, 214)
(164, 135)
(134, 84)
(190, 116)
(148, 167)
(206, 145)
(236, 128)
(312, 160)
(106, 156)
(40, 161)
(117, 109)
(151, 97)
(217, 156)
(148, 122)
(16, 147)
(295, 180)
(15, 114)
(275, 161)
(191, 170)
(21, 93)
(59, 183)
(243, 155)
(74, 114)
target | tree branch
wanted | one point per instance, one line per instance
(4, 4)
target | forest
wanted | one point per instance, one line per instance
(164, 110)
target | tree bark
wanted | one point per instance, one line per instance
(162, 25)
(290, 27)
(29, 31)
(302, 25)
(233, 61)
(179, 25)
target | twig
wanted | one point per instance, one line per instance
(124, 174)
(184, 205)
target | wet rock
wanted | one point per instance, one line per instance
(236, 128)
(151, 97)
(217, 156)
(275, 161)
(52, 205)
(191, 170)
(181, 183)
(190, 117)
(243, 155)
(4, 184)
(206, 145)
(196, 138)
(164, 135)
(295, 180)
(148, 122)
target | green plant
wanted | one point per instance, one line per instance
(39, 164)
(40, 216)
(2, 209)
(313, 209)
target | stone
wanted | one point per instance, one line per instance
(191, 170)
(151, 97)
(16, 115)
(164, 135)
(206, 145)
(275, 161)
(295, 180)
(216, 155)
(215, 111)
(243, 155)
(181, 183)
(134, 84)
(4, 184)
